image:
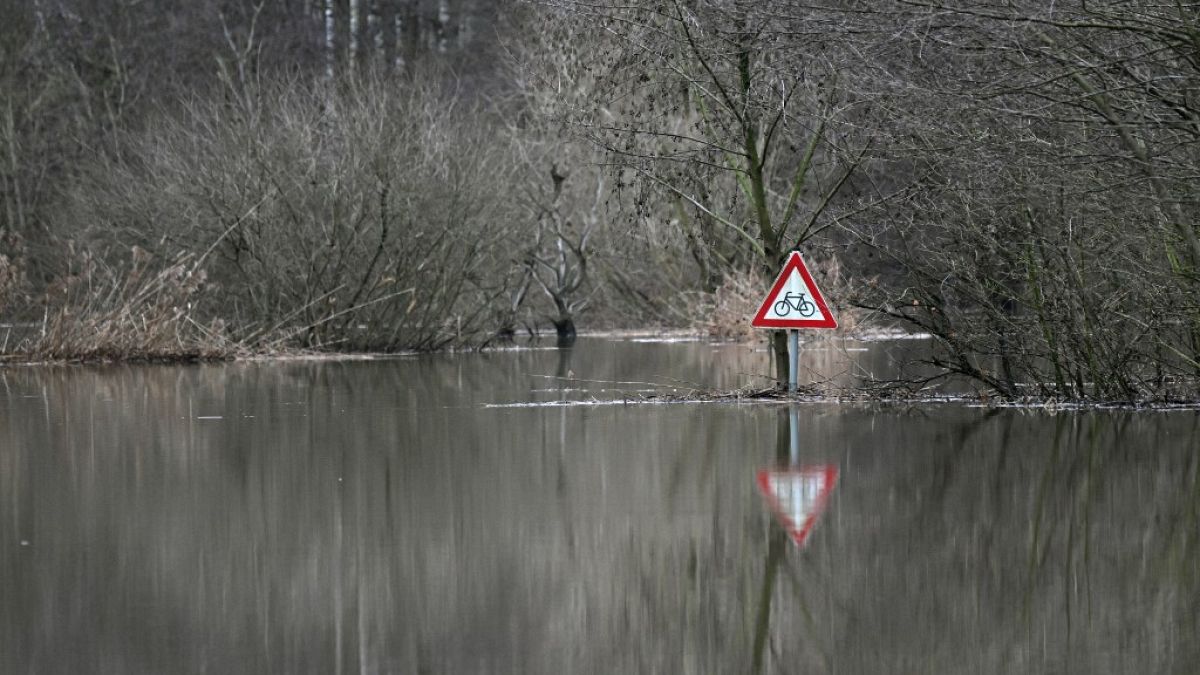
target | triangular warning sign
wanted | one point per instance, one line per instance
(794, 300)
(798, 495)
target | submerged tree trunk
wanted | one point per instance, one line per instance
(779, 349)
(565, 328)
(564, 325)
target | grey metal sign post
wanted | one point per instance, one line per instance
(793, 360)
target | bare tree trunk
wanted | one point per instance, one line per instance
(341, 35)
(564, 325)
(779, 350)
(442, 25)
(412, 30)
(467, 11)
(328, 47)
(364, 43)
(387, 24)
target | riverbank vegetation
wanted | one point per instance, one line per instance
(209, 179)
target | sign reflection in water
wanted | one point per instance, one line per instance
(797, 494)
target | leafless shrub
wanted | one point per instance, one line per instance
(358, 216)
(1052, 247)
(648, 275)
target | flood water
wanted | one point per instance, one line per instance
(415, 515)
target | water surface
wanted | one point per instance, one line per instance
(403, 516)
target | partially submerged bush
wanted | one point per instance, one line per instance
(364, 215)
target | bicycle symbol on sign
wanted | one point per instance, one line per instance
(795, 301)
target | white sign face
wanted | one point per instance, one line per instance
(794, 301)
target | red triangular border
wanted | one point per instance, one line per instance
(798, 531)
(826, 320)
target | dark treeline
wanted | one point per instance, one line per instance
(200, 178)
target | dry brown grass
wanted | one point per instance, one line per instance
(12, 274)
(11, 281)
(144, 310)
(727, 313)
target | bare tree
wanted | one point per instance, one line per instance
(558, 258)
(718, 120)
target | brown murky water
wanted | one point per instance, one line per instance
(384, 517)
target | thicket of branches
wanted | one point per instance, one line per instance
(1013, 178)
(362, 216)
(1052, 246)
(726, 127)
(338, 174)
